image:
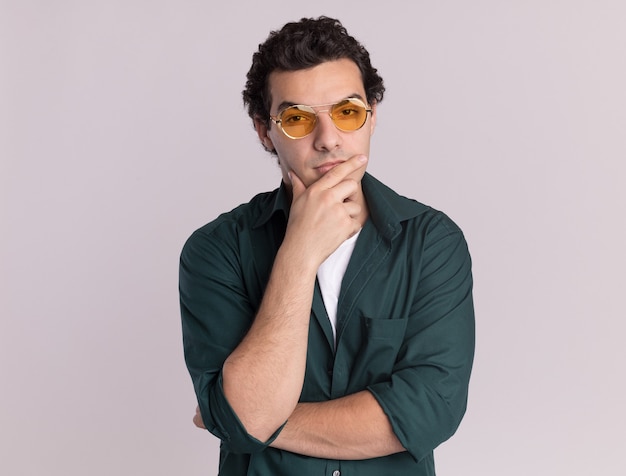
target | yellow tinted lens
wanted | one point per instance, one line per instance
(298, 121)
(349, 115)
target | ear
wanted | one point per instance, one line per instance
(262, 131)
(373, 119)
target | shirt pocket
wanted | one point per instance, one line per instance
(382, 339)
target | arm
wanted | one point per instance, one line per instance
(262, 378)
(426, 396)
(351, 427)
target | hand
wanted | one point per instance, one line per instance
(197, 419)
(326, 213)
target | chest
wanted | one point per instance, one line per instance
(373, 307)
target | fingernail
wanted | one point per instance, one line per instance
(362, 158)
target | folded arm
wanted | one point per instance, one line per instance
(352, 427)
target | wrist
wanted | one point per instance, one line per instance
(297, 259)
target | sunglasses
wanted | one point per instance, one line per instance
(299, 121)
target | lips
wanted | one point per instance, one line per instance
(325, 167)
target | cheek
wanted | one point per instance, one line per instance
(290, 154)
(282, 157)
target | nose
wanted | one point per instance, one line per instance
(327, 136)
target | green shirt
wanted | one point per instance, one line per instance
(405, 328)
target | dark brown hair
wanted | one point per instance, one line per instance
(302, 45)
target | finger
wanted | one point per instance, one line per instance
(344, 190)
(197, 419)
(353, 209)
(341, 171)
(198, 422)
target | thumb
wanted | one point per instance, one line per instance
(297, 187)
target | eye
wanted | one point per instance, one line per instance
(347, 111)
(296, 115)
(290, 118)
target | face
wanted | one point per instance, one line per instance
(312, 156)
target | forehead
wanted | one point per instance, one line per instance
(322, 84)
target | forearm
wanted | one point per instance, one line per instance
(263, 376)
(352, 427)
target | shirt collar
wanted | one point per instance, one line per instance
(279, 201)
(387, 208)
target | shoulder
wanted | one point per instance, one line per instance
(395, 213)
(244, 216)
(223, 231)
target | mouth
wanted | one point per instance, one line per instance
(325, 167)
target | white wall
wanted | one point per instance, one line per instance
(122, 130)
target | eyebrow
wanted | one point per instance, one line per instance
(285, 104)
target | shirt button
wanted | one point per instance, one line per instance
(336, 473)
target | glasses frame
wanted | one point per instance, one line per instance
(329, 107)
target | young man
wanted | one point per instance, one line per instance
(328, 325)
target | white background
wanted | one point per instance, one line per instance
(122, 130)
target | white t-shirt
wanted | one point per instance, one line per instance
(330, 274)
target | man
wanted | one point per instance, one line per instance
(328, 325)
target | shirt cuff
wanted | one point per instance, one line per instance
(227, 426)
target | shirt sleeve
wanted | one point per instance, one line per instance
(426, 396)
(216, 313)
